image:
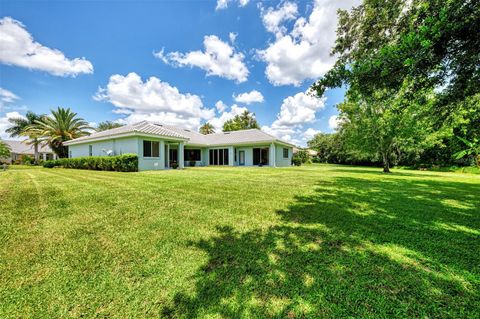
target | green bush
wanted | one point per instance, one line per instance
(120, 163)
(296, 160)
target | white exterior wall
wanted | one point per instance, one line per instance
(280, 160)
(118, 146)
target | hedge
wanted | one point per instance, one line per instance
(120, 163)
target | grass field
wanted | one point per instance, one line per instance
(309, 242)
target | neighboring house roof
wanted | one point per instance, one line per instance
(20, 147)
(189, 136)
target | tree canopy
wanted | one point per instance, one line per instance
(244, 121)
(107, 125)
(412, 73)
(63, 125)
(206, 128)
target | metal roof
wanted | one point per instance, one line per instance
(191, 137)
(143, 127)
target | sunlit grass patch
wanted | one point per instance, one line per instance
(306, 242)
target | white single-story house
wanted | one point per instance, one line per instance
(159, 146)
(18, 149)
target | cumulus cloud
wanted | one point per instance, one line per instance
(4, 123)
(223, 4)
(220, 106)
(295, 112)
(299, 109)
(273, 18)
(218, 58)
(153, 100)
(303, 52)
(248, 98)
(333, 122)
(218, 121)
(19, 48)
(310, 133)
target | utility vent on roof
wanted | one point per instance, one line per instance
(226, 132)
(186, 130)
(159, 125)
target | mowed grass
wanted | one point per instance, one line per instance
(319, 241)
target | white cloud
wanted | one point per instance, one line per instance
(218, 58)
(4, 123)
(333, 122)
(19, 48)
(310, 133)
(220, 106)
(232, 36)
(251, 97)
(273, 18)
(153, 100)
(7, 96)
(299, 109)
(223, 4)
(304, 52)
(218, 121)
(295, 112)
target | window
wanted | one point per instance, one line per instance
(70, 154)
(218, 156)
(285, 153)
(260, 156)
(90, 150)
(192, 155)
(151, 149)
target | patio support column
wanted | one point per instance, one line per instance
(180, 154)
(272, 155)
(167, 164)
(231, 156)
(162, 154)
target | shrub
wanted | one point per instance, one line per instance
(120, 163)
(296, 160)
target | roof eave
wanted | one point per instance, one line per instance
(121, 135)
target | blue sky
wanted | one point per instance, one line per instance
(170, 61)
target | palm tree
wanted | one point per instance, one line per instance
(19, 129)
(206, 128)
(107, 125)
(61, 126)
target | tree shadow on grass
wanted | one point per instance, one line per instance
(354, 248)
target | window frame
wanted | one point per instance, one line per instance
(287, 151)
(154, 147)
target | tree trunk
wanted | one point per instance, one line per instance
(35, 147)
(386, 164)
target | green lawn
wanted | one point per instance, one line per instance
(309, 242)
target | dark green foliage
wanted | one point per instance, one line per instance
(299, 158)
(244, 121)
(432, 46)
(120, 163)
(107, 125)
(4, 149)
(206, 128)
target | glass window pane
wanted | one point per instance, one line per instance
(215, 157)
(210, 157)
(155, 149)
(147, 149)
(225, 156)
(220, 157)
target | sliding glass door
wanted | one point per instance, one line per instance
(218, 156)
(260, 156)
